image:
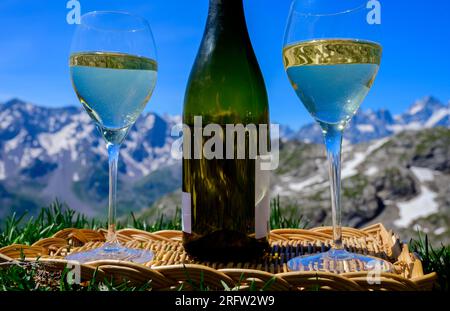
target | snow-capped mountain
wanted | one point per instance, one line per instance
(367, 125)
(427, 112)
(47, 152)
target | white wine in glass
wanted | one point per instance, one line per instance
(332, 76)
(113, 87)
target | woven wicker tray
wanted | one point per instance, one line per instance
(172, 267)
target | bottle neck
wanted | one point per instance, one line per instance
(226, 17)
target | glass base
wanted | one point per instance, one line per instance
(113, 251)
(338, 261)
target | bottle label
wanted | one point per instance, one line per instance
(186, 212)
(262, 200)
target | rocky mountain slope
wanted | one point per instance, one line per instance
(402, 181)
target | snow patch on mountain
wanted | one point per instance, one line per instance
(423, 174)
(15, 142)
(437, 117)
(397, 128)
(416, 108)
(6, 120)
(365, 128)
(440, 230)
(2, 170)
(76, 177)
(422, 205)
(306, 183)
(29, 155)
(62, 140)
(350, 167)
(371, 171)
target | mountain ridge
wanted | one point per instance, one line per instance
(367, 125)
(48, 151)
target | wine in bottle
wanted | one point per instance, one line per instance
(225, 203)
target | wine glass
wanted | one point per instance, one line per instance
(113, 70)
(331, 60)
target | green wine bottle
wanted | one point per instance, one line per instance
(225, 201)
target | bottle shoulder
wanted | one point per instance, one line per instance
(219, 83)
(226, 81)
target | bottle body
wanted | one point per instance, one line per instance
(225, 195)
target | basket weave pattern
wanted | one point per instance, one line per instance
(172, 267)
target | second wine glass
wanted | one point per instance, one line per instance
(332, 61)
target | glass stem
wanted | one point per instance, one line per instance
(113, 158)
(333, 142)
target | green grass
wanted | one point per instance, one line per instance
(26, 276)
(278, 218)
(433, 259)
(21, 229)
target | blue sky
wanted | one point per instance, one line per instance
(35, 41)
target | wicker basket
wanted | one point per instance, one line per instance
(172, 267)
